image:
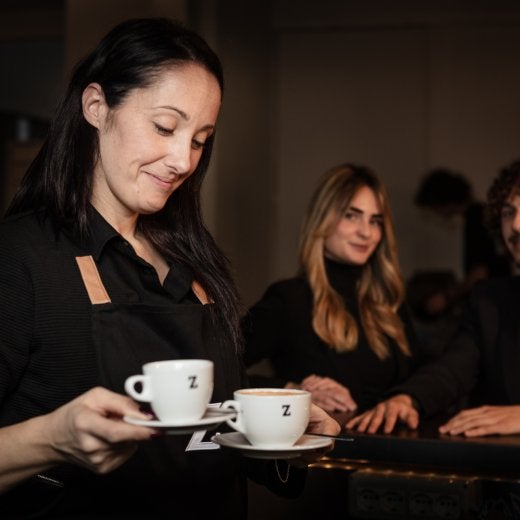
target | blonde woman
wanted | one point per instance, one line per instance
(339, 328)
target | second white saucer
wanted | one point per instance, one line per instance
(238, 442)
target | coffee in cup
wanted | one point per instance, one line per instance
(178, 390)
(270, 418)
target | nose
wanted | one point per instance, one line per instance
(364, 229)
(178, 156)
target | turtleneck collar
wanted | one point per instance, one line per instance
(343, 277)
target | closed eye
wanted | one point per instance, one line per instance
(162, 130)
(197, 145)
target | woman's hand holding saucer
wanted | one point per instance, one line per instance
(89, 430)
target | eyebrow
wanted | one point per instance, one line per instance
(185, 116)
(361, 212)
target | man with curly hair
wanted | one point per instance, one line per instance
(490, 332)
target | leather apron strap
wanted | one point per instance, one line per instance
(90, 275)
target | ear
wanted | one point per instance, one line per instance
(94, 105)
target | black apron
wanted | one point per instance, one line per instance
(161, 479)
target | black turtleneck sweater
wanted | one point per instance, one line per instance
(279, 328)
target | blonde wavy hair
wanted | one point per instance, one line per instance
(380, 288)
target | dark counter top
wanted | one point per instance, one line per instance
(427, 448)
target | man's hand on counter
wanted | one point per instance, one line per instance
(484, 420)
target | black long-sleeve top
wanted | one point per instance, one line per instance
(279, 328)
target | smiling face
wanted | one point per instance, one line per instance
(151, 143)
(510, 224)
(358, 232)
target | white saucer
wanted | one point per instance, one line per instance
(211, 419)
(237, 441)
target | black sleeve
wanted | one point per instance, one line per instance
(263, 328)
(16, 310)
(419, 354)
(441, 383)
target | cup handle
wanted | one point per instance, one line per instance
(236, 423)
(145, 394)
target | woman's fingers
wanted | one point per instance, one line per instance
(329, 394)
(386, 414)
(334, 401)
(322, 422)
(90, 430)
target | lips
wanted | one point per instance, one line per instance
(164, 182)
(360, 247)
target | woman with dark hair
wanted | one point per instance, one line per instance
(107, 265)
(339, 328)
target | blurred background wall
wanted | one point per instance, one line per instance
(400, 86)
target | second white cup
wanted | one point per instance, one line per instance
(178, 390)
(270, 418)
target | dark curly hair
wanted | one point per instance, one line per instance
(506, 182)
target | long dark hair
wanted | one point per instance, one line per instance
(60, 178)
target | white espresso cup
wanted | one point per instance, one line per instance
(270, 418)
(178, 390)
